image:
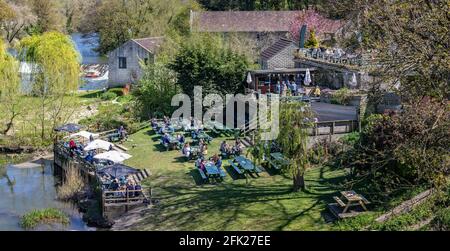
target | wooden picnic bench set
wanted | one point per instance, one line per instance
(243, 165)
(211, 172)
(349, 204)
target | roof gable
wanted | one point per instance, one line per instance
(151, 44)
(276, 48)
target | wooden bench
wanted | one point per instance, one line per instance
(339, 201)
(364, 199)
(235, 167)
(202, 174)
(274, 165)
(222, 173)
(258, 169)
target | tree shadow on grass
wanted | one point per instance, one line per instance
(184, 206)
(197, 178)
(233, 174)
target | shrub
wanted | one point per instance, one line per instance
(351, 139)
(44, 216)
(341, 97)
(117, 91)
(442, 220)
(312, 41)
(405, 150)
(108, 95)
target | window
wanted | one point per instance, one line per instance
(122, 62)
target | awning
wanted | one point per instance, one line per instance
(98, 144)
(282, 71)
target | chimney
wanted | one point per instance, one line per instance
(302, 36)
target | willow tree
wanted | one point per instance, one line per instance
(9, 89)
(55, 71)
(295, 120)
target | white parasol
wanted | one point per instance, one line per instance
(308, 80)
(98, 144)
(84, 134)
(114, 156)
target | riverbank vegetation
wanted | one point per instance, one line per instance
(44, 216)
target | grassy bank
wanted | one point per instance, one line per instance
(256, 203)
(26, 130)
(43, 216)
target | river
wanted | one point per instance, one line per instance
(24, 188)
(86, 45)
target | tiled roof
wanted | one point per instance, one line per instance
(247, 21)
(151, 44)
(276, 48)
(243, 21)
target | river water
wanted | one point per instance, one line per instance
(23, 189)
(86, 45)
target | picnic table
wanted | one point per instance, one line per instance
(211, 170)
(350, 199)
(204, 136)
(246, 164)
(278, 160)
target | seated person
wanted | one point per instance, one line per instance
(130, 187)
(317, 92)
(223, 147)
(165, 139)
(154, 123)
(72, 145)
(219, 162)
(187, 150)
(138, 189)
(114, 185)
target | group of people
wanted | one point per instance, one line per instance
(188, 152)
(285, 88)
(124, 185)
(228, 150)
(290, 88)
(216, 160)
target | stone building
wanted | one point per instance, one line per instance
(280, 55)
(125, 61)
(263, 28)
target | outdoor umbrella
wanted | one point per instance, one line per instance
(354, 81)
(114, 156)
(249, 78)
(98, 144)
(84, 134)
(118, 170)
(70, 128)
(308, 80)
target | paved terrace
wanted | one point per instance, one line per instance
(330, 112)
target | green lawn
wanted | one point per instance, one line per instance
(256, 203)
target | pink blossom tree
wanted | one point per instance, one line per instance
(314, 21)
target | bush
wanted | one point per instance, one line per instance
(442, 220)
(341, 97)
(405, 150)
(117, 91)
(109, 96)
(112, 116)
(44, 216)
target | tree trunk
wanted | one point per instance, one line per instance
(299, 182)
